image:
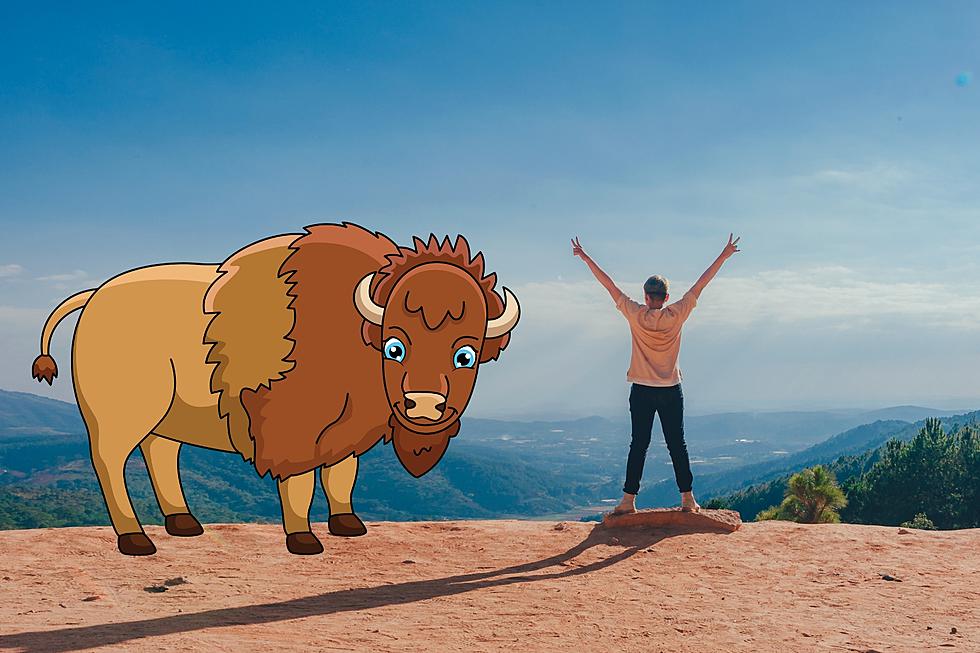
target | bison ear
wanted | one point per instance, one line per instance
(493, 347)
(371, 334)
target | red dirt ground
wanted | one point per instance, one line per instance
(496, 585)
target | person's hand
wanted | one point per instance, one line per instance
(577, 249)
(731, 247)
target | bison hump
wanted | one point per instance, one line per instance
(248, 332)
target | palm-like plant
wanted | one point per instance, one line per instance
(812, 497)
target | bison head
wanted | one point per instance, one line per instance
(440, 319)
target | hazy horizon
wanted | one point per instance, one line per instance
(614, 414)
(839, 141)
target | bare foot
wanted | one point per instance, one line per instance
(688, 503)
(626, 506)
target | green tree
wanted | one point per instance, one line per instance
(935, 473)
(769, 513)
(812, 497)
(966, 463)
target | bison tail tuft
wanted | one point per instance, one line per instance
(45, 369)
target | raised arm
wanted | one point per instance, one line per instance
(710, 273)
(600, 276)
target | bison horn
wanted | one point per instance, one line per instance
(502, 325)
(365, 304)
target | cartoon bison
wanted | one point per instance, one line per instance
(300, 352)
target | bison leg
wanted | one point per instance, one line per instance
(161, 456)
(109, 460)
(296, 496)
(338, 484)
(120, 408)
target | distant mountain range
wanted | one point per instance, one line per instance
(850, 450)
(947, 493)
(494, 468)
(25, 414)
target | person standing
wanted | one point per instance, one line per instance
(655, 328)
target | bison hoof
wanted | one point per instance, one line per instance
(183, 524)
(346, 524)
(303, 544)
(136, 544)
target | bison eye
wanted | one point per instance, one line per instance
(465, 356)
(394, 350)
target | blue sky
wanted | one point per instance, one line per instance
(840, 141)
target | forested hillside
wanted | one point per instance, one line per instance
(934, 476)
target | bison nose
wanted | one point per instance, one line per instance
(424, 404)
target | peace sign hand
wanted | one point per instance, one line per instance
(731, 247)
(577, 249)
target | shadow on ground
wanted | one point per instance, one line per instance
(365, 598)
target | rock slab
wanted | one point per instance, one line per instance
(722, 521)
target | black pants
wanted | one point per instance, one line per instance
(645, 403)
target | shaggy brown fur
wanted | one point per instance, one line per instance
(330, 399)
(437, 307)
(332, 402)
(419, 453)
(248, 331)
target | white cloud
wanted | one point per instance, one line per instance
(876, 178)
(839, 297)
(67, 281)
(10, 270)
(76, 275)
(583, 307)
(834, 296)
(773, 338)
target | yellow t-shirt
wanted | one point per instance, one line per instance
(656, 334)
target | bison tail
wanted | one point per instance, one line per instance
(45, 369)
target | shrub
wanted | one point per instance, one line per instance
(921, 522)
